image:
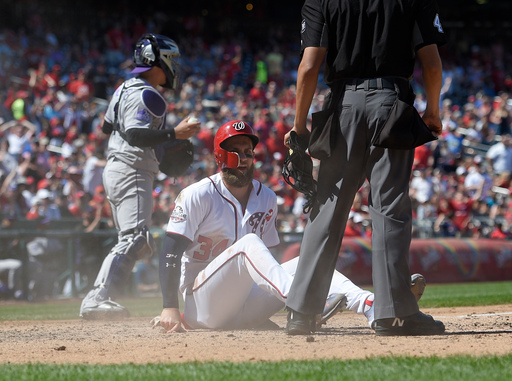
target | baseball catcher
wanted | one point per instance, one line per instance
(298, 169)
(136, 122)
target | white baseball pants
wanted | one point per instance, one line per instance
(245, 285)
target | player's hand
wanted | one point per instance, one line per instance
(433, 122)
(170, 320)
(303, 132)
(185, 129)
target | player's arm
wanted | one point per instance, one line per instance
(432, 69)
(307, 79)
(145, 137)
(169, 272)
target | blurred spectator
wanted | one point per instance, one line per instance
(44, 206)
(93, 170)
(18, 136)
(274, 61)
(500, 231)
(421, 187)
(45, 263)
(499, 155)
(20, 105)
(354, 226)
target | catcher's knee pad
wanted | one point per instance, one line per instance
(140, 244)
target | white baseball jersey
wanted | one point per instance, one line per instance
(229, 278)
(208, 215)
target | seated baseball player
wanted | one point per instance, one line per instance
(216, 251)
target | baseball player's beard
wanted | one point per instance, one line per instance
(236, 178)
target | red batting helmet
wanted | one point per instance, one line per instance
(227, 159)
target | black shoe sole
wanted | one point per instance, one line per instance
(408, 331)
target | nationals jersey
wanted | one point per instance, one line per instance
(139, 105)
(209, 216)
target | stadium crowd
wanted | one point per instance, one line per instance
(53, 95)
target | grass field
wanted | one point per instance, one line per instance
(379, 368)
(376, 369)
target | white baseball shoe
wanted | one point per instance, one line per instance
(418, 284)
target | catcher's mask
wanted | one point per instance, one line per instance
(223, 158)
(156, 50)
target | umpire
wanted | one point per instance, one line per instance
(369, 47)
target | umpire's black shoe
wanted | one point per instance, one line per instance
(419, 324)
(300, 324)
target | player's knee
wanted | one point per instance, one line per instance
(254, 247)
(251, 239)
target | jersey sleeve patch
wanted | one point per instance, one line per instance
(154, 103)
(178, 214)
(143, 115)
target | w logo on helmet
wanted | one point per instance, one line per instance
(238, 126)
(226, 131)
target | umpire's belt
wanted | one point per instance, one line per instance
(372, 83)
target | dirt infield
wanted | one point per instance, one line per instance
(470, 330)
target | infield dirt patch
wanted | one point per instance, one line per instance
(473, 331)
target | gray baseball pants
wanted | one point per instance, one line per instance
(340, 177)
(130, 192)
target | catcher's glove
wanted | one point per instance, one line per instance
(175, 156)
(298, 169)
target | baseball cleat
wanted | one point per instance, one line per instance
(334, 304)
(105, 310)
(419, 324)
(300, 324)
(418, 284)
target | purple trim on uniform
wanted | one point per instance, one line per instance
(141, 69)
(154, 102)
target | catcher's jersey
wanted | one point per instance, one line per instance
(208, 215)
(141, 106)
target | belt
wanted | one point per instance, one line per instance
(370, 84)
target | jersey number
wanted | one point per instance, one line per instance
(206, 248)
(437, 24)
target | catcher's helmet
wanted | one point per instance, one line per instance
(156, 50)
(223, 158)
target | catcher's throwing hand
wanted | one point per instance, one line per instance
(185, 129)
(169, 319)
